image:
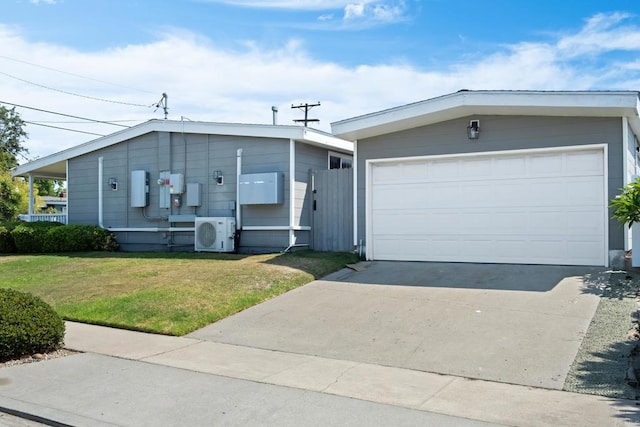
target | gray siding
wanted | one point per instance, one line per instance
(196, 157)
(498, 133)
(307, 158)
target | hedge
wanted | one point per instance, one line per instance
(28, 325)
(51, 237)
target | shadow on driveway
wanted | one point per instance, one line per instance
(505, 277)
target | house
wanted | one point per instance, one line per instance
(156, 183)
(495, 176)
(53, 204)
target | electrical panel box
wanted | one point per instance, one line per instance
(261, 188)
(176, 183)
(163, 184)
(194, 190)
(139, 189)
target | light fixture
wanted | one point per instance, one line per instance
(473, 130)
(218, 177)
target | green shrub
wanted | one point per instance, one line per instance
(79, 238)
(6, 242)
(29, 237)
(28, 325)
(70, 238)
(626, 205)
(104, 240)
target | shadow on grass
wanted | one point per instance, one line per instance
(318, 264)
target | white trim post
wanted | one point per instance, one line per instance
(292, 191)
(30, 196)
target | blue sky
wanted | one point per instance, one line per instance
(230, 60)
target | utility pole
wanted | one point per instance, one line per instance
(164, 104)
(306, 107)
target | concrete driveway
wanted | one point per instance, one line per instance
(507, 323)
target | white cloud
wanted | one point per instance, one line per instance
(288, 4)
(210, 83)
(37, 2)
(354, 11)
(363, 12)
(601, 33)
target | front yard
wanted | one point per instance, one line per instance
(168, 293)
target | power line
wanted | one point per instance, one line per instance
(72, 74)
(76, 94)
(62, 114)
(61, 128)
(78, 122)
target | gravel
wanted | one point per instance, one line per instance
(37, 357)
(605, 358)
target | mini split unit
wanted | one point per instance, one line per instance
(215, 234)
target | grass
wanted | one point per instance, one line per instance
(164, 293)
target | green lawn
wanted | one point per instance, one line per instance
(173, 293)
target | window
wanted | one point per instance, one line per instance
(340, 161)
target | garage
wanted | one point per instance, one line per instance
(542, 206)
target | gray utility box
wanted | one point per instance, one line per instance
(261, 188)
(139, 189)
(194, 190)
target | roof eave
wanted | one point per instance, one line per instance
(461, 104)
(52, 166)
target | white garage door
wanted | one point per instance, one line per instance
(533, 208)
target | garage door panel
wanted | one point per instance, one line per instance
(479, 168)
(509, 167)
(585, 163)
(586, 191)
(545, 165)
(523, 209)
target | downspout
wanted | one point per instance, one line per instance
(625, 173)
(238, 173)
(356, 244)
(100, 206)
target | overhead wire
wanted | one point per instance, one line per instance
(77, 94)
(63, 114)
(72, 74)
(61, 128)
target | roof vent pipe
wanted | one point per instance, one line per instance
(274, 110)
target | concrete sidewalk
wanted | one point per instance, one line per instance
(429, 393)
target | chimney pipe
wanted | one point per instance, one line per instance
(274, 110)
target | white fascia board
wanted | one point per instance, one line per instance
(460, 104)
(314, 137)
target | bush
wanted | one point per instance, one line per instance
(29, 237)
(6, 241)
(104, 240)
(28, 325)
(626, 205)
(79, 238)
(47, 237)
(70, 238)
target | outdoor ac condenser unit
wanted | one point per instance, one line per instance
(215, 234)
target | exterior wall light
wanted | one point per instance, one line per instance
(218, 177)
(473, 130)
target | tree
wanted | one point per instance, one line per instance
(14, 197)
(49, 187)
(12, 136)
